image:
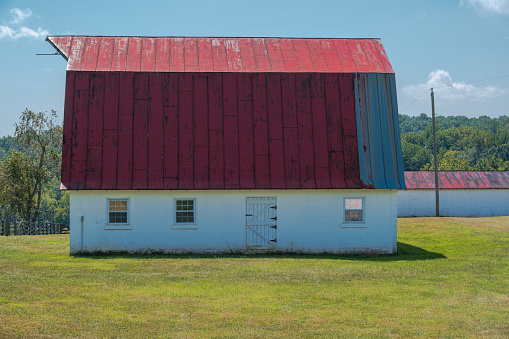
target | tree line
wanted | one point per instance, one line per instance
(463, 144)
(30, 160)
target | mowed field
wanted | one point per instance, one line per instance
(449, 280)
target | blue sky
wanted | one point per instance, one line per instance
(446, 44)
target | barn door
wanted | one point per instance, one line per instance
(261, 224)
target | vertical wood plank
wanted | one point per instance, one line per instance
(277, 163)
(95, 131)
(111, 95)
(186, 141)
(320, 143)
(246, 145)
(261, 134)
(334, 131)
(215, 101)
(125, 131)
(109, 160)
(155, 131)
(140, 132)
(170, 128)
(274, 109)
(289, 104)
(347, 102)
(245, 86)
(305, 128)
(291, 151)
(67, 129)
(216, 160)
(201, 167)
(200, 111)
(230, 94)
(96, 108)
(231, 151)
(79, 130)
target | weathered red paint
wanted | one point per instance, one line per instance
(213, 113)
(248, 55)
(457, 180)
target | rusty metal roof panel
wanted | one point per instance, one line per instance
(457, 180)
(243, 55)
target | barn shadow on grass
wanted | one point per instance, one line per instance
(406, 252)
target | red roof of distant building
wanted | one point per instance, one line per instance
(457, 180)
(178, 54)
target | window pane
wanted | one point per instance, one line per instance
(353, 215)
(353, 204)
(184, 211)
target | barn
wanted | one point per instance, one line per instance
(461, 194)
(214, 145)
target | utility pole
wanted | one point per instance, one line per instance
(435, 154)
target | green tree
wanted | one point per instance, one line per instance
(25, 174)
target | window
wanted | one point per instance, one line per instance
(117, 211)
(185, 211)
(354, 209)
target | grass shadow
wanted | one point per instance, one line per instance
(406, 252)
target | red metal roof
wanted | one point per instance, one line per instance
(457, 180)
(246, 55)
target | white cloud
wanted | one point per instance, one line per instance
(444, 86)
(13, 30)
(488, 6)
(18, 15)
(8, 33)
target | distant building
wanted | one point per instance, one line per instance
(462, 194)
(213, 145)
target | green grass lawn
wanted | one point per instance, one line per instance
(449, 280)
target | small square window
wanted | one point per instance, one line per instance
(354, 210)
(117, 211)
(185, 211)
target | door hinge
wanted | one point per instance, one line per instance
(275, 218)
(274, 207)
(249, 215)
(274, 240)
(274, 227)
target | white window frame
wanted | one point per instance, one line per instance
(122, 225)
(352, 223)
(184, 225)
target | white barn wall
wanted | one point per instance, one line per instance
(308, 221)
(454, 203)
